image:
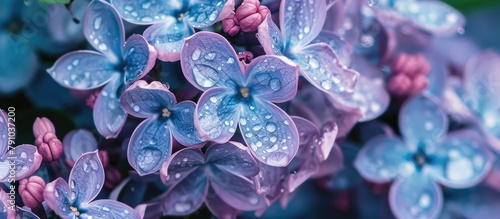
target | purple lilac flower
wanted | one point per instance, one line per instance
(432, 16)
(151, 143)
(8, 211)
(425, 158)
(173, 20)
(220, 177)
(27, 158)
(301, 22)
(236, 93)
(118, 63)
(76, 199)
(475, 98)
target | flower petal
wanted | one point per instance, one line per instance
(301, 21)
(415, 196)
(150, 145)
(422, 121)
(380, 159)
(106, 208)
(188, 195)
(320, 65)
(144, 100)
(217, 115)
(104, 30)
(4, 126)
(435, 17)
(82, 70)
(482, 81)
(273, 78)
(109, 117)
(56, 195)
(208, 60)
(148, 11)
(307, 130)
(26, 158)
(182, 124)
(461, 160)
(78, 142)
(180, 165)
(218, 207)
(139, 58)
(270, 133)
(342, 48)
(236, 191)
(232, 157)
(371, 96)
(5, 212)
(167, 38)
(204, 13)
(270, 37)
(24, 214)
(86, 178)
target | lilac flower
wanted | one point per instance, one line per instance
(458, 160)
(151, 143)
(117, 63)
(220, 177)
(85, 182)
(301, 22)
(476, 97)
(239, 94)
(76, 143)
(432, 16)
(24, 158)
(173, 20)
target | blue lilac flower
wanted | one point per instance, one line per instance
(301, 22)
(117, 64)
(172, 20)
(75, 200)
(27, 159)
(425, 158)
(151, 143)
(220, 177)
(236, 93)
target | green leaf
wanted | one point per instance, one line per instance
(55, 1)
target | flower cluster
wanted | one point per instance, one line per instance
(229, 108)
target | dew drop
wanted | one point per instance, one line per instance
(177, 175)
(326, 84)
(253, 200)
(425, 200)
(230, 60)
(24, 155)
(275, 84)
(137, 108)
(271, 127)
(313, 63)
(182, 207)
(213, 99)
(97, 23)
(210, 56)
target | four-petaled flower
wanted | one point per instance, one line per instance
(117, 63)
(173, 20)
(23, 159)
(458, 160)
(239, 94)
(85, 182)
(220, 177)
(151, 143)
(301, 22)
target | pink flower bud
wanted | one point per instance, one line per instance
(31, 191)
(103, 155)
(409, 74)
(49, 147)
(90, 101)
(113, 177)
(42, 126)
(250, 15)
(230, 25)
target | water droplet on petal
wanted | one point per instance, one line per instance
(210, 56)
(97, 23)
(182, 207)
(24, 155)
(425, 200)
(271, 127)
(326, 84)
(275, 84)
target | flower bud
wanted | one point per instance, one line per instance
(230, 25)
(103, 156)
(42, 126)
(31, 191)
(49, 147)
(250, 15)
(408, 74)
